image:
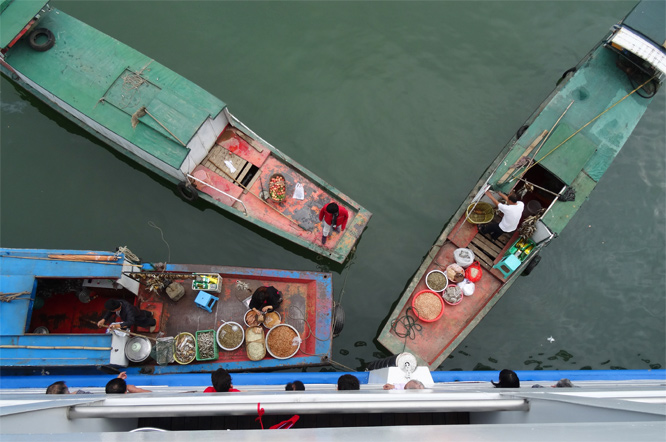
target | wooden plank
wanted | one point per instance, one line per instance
(481, 256)
(486, 244)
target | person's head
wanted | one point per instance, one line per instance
(295, 386)
(116, 386)
(348, 382)
(221, 380)
(332, 208)
(414, 385)
(513, 197)
(507, 379)
(112, 305)
(57, 388)
(564, 383)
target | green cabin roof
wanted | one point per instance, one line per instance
(15, 15)
(108, 81)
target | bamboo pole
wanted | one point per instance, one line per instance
(66, 347)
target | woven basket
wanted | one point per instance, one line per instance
(480, 213)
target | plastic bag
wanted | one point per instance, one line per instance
(464, 257)
(299, 192)
(473, 272)
(467, 287)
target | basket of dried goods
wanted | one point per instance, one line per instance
(277, 188)
(455, 273)
(452, 295)
(480, 213)
(253, 319)
(206, 348)
(271, 319)
(255, 343)
(428, 306)
(283, 341)
(436, 280)
(185, 348)
(230, 336)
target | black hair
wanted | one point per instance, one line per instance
(513, 197)
(221, 380)
(57, 388)
(116, 386)
(295, 386)
(112, 304)
(348, 382)
(507, 379)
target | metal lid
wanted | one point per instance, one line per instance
(138, 349)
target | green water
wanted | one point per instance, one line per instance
(402, 106)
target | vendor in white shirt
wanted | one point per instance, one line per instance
(512, 211)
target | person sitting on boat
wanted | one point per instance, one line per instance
(512, 211)
(266, 299)
(507, 379)
(348, 382)
(118, 385)
(334, 217)
(130, 315)
(221, 380)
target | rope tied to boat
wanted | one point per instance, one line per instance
(408, 323)
(129, 256)
(9, 297)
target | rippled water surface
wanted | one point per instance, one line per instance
(402, 106)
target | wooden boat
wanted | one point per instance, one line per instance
(52, 300)
(566, 145)
(167, 124)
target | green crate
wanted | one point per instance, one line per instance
(215, 351)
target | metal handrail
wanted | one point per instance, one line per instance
(221, 191)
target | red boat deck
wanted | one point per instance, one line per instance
(299, 218)
(307, 306)
(437, 339)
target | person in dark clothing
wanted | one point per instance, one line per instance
(348, 382)
(266, 299)
(295, 386)
(130, 315)
(507, 379)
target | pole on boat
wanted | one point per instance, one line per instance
(143, 112)
(528, 165)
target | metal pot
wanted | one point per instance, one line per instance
(138, 349)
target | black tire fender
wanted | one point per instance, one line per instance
(530, 266)
(338, 319)
(187, 191)
(38, 34)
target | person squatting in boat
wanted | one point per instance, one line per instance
(266, 299)
(512, 211)
(130, 315)
(334, 217)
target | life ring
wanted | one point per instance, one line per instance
(338, 320)
(531, 265)
(39, 34)
(187, 191)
